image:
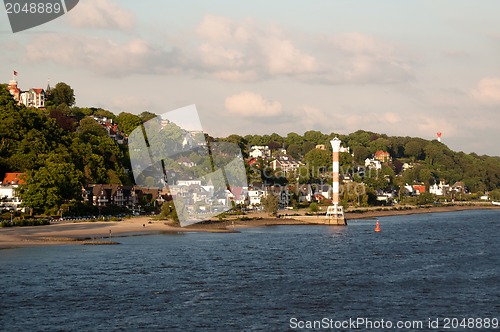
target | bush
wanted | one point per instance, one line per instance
(313, 207)
(5, 223)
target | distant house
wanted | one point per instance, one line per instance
(185, 161)
(305, 193)
(341, 149)
(34, 97)
(8, 196)
(373, 163)
(440, 189)
(282, 193)
(104, 195)
(238, 195)
(384, 196)
(418, 189)
(14, 90)
(254, 197)
(458, 187)
(14, 179)
(382, 156)
(323, 192)
(188, 182)
(287, 164)
(257, 151)
(251, 161)
(407, 166)
(345, 149)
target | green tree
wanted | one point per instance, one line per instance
(294, 151)
(88, 126)
(168, 212)
(47, 188)
(360, 154)
(425, 198)
(270, 203)
(127, 122)
(294, 138)
(62, 93)
(146, 116)
(313, 207)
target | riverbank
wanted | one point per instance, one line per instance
(110, 232)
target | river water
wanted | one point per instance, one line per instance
(419, 268)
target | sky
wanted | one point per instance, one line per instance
(404, 68)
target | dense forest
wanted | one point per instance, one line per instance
(62, 148)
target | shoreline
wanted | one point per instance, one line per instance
(102, 233)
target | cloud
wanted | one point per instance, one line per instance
(99, 55)
(247, 51)
(226, 50)
(129, 103)
(102, 14)
(250, 51)
(487, 91)
(250, 104)
(391, 118)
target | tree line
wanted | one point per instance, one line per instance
(62, 148)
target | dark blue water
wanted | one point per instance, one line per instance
(418, 267)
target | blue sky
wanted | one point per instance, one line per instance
(408, 68)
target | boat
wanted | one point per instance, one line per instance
(495, 203)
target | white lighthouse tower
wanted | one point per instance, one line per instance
(439, 136)
(335, 213)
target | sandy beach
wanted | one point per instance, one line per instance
(110, 232)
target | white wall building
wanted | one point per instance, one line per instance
(254, 197)
(373, 163)
(258, 151)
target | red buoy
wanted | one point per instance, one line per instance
(377, 227)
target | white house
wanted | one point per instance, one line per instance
(188, 182)
(257, 151)
(254, 197)
(33, 98)
(439, 189)
(373, 163)
(287, 164)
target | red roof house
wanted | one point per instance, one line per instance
(382, 156)
(13, 179)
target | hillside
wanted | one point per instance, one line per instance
(63, 148)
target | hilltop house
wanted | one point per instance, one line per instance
(382, 156)
(257, 151)
(373, 164)
(34, 97)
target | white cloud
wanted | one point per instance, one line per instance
(225, 50)
(487, 91)
(250, 104)
(100, 55)
(251, 51)
(391, 118)
(103, 14)
(361, 59)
